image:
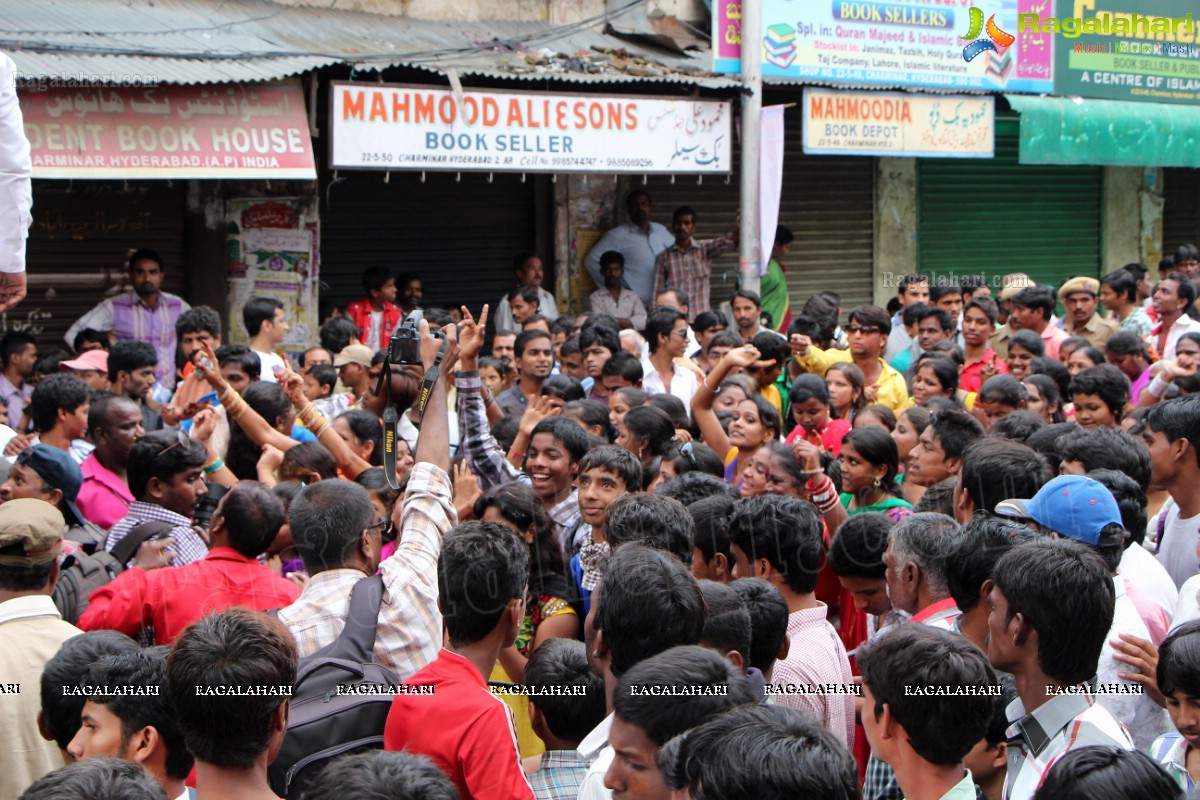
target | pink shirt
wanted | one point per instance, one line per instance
(104, 498)
(1053, 336)
(817, 656)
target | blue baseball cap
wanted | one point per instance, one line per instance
(1074, 506)
(58, 470)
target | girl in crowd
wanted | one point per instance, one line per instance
(847, 390)
(623, 399)
(876, 416)
(496, 375)
(758, 469)
(1044, 398)
(869, 463)
(363, 433)
(646, 432)
(754, 421)
(935, 377)
(808, 407)
(731, 391)
(1023, 348)
(1083, 358)
(593, 417)
(909, 426)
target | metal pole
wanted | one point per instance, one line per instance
(750, 248)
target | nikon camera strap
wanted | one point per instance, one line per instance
(391, 418)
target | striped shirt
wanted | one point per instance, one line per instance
(188, 545)
(1170, 751)
(817, 656)
(559, 775)
(1063, 723)
(690, 270)
(409, 633)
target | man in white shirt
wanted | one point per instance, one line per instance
(16, 189)
(1173, 300)
(267, 327)
(666, 333)
(639, 240)
(530, 272)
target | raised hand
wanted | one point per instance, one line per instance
(536, 412)
(293, 388)
(744, 356)
(206, 362)
(470, 337)
(204, 424)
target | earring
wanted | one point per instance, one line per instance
(878, 482)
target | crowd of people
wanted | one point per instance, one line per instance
(946, 549)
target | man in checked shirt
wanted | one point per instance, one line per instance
(339, 537)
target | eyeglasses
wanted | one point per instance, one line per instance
(379, 524)
(181, 440)
(863, 329)
(681, 333)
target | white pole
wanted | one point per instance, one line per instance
(750, 248)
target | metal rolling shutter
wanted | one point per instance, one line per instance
(459, 236)
(82, 232)
(828, 202)
(996, 216)
(1181, 208)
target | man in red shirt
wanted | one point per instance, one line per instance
(168, 600)
(483, 574)
(377, 314)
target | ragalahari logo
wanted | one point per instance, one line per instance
(996, 37)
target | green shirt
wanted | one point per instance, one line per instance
(774, 294)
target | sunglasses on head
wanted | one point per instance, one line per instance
(181, 440)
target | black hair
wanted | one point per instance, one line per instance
(253, 516)
(1051, 394)
(1110, 448)
(160, 455)
(768, 612)
(1122, 282)
(374, 480)
(1186, 289)
(591, 413)
(564, 387)
(1131, 503)
(618, 461)
(942, 729)
(1045, 441)
(726, 620)
(374, 277)
(241, 355)
(877, 447)
(765, 752)
(336, 334)
(518, 505)
(196, 319)
(1093, 355)
(910, 315)
(573, 438)
(14, 343)
(235, 647)
(985, 304)
(683, 211)
(1064, 590)
(63, 391)
(1107, 772)
(874, 316)
(20, 579)
(694, 486)
(783, 530)
(1028, 340)
(941, 287)
(857, 548)
(563, 662)
(711, 517)
(48, 363)
(483, 567)
(527, 293)
(1037, 298)
(995, 469)
(706, 320)
(1177, 420)
(1005, 390)
(670, 405)
(504, 431)
(269, 402)
(661, 717)
(137, 711)
(626, 365)
(652, 425)
(944, 371)
(257, 311)
(365, 427)
(611, 257)
(96, 779)
(660, 323)
(806, 387)
(525, 337)
(944, 320)
(1018, 426)
(382, 776)
(772, 347)
(973, 554)
(1179, 660)
(653, 520)
(59, 710)
(747, 294)
(327, 521)
(882, 413)
(595, 333)
(648, 603)
(1186, 252)
(325, 375)
(1106, 382)
(90, 336)
(1055, 370)
(1125, 343)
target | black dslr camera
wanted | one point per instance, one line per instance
(405, 344)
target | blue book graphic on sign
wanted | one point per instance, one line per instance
(780, 45)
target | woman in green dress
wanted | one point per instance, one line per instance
(869, 461)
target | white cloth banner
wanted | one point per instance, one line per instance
(770, 181)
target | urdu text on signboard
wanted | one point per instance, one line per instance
(385, 127)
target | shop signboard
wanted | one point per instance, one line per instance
(944, 45)
(1146, 50)
(204, 131)
(393, 127)
(898, 124)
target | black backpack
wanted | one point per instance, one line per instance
(83, 573)
(324, 723)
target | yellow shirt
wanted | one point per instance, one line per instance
(891, 390)
(771, 395)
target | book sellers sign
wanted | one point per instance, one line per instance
(214, 131)
(385, 127)
(898, 124)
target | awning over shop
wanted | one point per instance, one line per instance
(217, 131)
(1062, 130)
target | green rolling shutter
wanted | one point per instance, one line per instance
(996, 216)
